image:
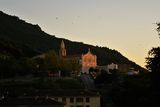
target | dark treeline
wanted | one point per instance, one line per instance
(119, 90)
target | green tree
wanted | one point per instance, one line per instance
(52, 61)
(75, 66)
(65, 67)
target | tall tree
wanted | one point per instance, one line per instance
(153, 59)
(153, 63)
(52, 61)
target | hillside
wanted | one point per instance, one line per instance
(29, 40)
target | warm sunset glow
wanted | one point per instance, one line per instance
(124, 25)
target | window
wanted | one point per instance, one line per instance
(63, 99)
(71, 100)
(87, 99)
(79, 99)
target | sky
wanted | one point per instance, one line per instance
(124, 25)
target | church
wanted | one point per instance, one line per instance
(86, 61)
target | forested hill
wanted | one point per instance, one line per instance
(18, 36)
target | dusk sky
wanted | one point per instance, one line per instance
(125, 25)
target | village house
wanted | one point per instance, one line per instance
(76, 98)
(71, 98)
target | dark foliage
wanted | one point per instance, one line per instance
(158, 28)
(128, 91)
(153, 60)
(103, 78)
(153, 64)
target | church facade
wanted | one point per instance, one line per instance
(89, 60)
(86, 61)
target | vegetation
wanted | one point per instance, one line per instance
(118, 90)
(11, 67)
(48, 64)
(153, 64)
(153, 59)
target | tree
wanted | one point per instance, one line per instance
(27, 65)
(158, 28)
(153, 63)
(52, 61)
(65, 67)
(153, 60)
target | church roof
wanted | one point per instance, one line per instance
(89, 53)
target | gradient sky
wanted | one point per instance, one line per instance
(125, 25)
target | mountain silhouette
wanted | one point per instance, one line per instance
(19, 37)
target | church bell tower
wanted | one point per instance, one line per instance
(62, 51)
